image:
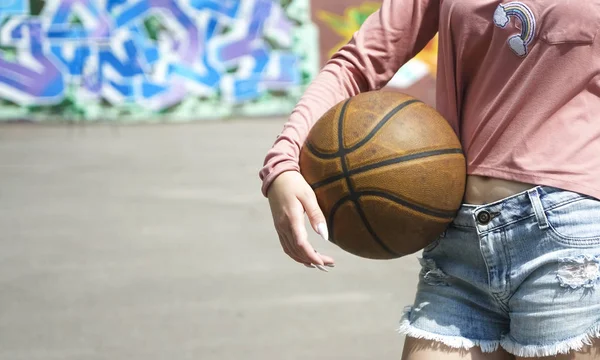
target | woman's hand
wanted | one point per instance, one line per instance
(290, 196)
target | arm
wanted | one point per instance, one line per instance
(387, 40)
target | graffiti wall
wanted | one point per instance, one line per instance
(164, 60)
(176, 60)
(339, 19)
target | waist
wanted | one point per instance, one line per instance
(532, 202)
(482, 190)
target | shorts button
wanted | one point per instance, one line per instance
(483, 217)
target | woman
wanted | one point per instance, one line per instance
(514, 275)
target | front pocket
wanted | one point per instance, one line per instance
(576, 223)
(570, 35)
(571, 22)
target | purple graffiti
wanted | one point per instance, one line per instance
(154, 53)
(22, 84)
(60, 27)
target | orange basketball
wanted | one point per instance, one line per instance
(388, 172)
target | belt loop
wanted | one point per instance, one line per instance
(538, 208)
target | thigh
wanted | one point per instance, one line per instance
(419, 349)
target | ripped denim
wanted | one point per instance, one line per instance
(522, 273)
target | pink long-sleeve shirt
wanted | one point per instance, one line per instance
(519, 81)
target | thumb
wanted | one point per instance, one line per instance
(314, 213)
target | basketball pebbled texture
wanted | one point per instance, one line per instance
(388, 172)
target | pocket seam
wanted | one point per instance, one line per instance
(546, 35)
(597, 237)
(574, 242)
(570, 240)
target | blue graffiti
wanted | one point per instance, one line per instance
(13, 7)
(150, 52)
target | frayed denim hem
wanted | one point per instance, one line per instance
(455, 342)
(576, 343)
(510, 345)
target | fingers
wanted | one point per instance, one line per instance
(288, 251)
(289, 199)
(300, 255)
(314, 213)
(327, 260)
(295, 254)
(317, 220)
(292, 231)
(298, 248)
(304, 248)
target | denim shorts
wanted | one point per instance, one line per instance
(521, 273)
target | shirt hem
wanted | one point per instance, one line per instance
(528, 178)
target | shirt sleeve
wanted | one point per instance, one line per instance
(388, 39)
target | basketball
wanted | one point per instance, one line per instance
(388, 172)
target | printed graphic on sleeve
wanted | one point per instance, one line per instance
(518, 43)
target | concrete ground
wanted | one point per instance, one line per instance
(154, 242)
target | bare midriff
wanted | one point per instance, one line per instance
(482, 190)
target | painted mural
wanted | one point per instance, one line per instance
(175, 60)
(163, 60)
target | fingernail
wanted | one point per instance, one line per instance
(322, 228)
(322, 268)
(309, 266)
(330, 265)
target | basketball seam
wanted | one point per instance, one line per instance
(321, 155)
(354, 197)
(368, 137)
(381, 123)
(447, 215)
(393, 161)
